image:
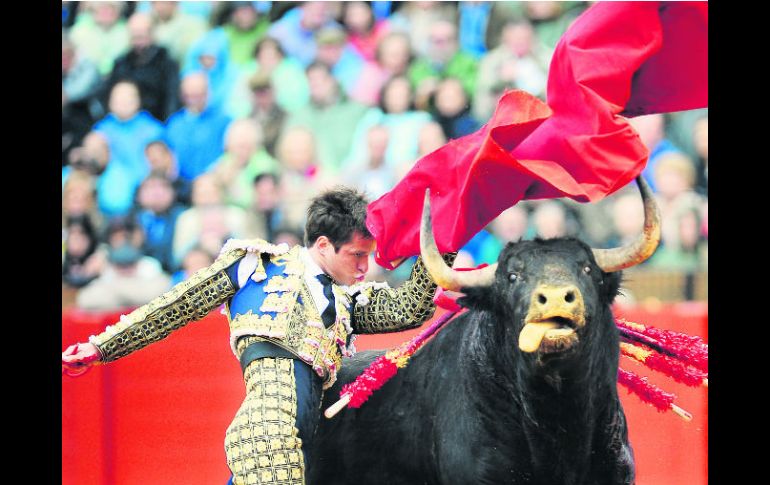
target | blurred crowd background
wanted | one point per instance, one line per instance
(187, 123)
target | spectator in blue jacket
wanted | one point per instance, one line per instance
(196, 133)
(128, 130)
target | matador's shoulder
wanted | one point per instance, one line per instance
(249, 253)
(237, 248)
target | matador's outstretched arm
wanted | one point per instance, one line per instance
(186, 302)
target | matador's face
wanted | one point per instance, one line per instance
(349, 264)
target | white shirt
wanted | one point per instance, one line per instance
(316, 288)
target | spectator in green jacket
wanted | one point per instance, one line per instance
(444, 59)
(245, 27)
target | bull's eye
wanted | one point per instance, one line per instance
(513, 277)
(587, 270)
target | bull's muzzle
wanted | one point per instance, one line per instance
(555, 313)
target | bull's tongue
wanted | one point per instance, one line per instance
(532, 334)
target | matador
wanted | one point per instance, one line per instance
(293, 313)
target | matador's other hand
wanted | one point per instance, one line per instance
(78, 358)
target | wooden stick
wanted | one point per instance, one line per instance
(681, 412)
(337, 406)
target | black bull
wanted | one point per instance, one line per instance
(520, 389)
(472, 407)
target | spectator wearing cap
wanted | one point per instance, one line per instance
(296, 30)
(345, 63)
(265, 110)
(129, 278)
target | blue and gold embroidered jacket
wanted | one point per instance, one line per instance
(266, 298)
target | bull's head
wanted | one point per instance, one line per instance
(557, 285)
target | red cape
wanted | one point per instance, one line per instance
(617, 59)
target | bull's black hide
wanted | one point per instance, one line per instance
(472, 408)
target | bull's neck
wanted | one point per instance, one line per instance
(561, 403)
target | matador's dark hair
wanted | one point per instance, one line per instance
(337, 214)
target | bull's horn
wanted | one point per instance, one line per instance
(443, 275)
(616, 259)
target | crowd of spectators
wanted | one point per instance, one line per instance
(188, 123)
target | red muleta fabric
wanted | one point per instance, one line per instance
(617, 59)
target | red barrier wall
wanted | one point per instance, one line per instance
(668, 449)
(158, 416)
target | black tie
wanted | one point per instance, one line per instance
(328, 315)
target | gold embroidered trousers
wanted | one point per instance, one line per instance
(262, 443)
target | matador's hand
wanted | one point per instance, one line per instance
(78, 358)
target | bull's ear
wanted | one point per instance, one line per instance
(611, 284)
(478, 298)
